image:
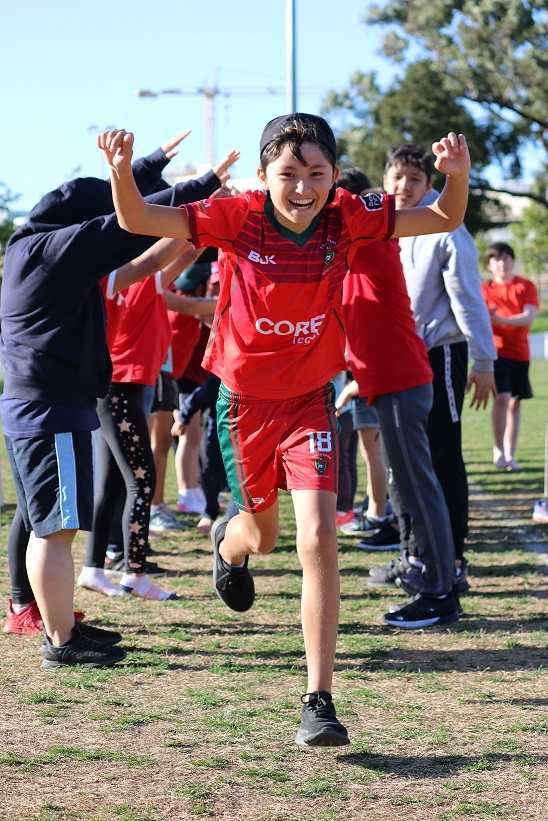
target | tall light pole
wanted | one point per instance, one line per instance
(290, 56)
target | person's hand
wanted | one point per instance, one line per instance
(117, 146)
(452, 157)
(346, 395)
(178, 429)
(483, 385)
(222, 167)
(170, 146)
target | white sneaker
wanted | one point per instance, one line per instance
(163, 520)
(190, 502)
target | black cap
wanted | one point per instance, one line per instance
(194, 275)
(320, 127)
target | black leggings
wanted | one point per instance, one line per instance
(125, 460)
(18, 539)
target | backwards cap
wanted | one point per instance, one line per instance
(320, 127)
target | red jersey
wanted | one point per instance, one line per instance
(384, 350)
(144, 334)
(194, 371)
(278, 329)
(510, 298)
(114, 305)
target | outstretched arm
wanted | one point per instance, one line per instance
(134, 213)
(152, 260)
(447, 213)
(190, 305)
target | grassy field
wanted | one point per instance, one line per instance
(446, 724)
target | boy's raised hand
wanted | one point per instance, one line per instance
(452, 157)
(170, 146)
(117, 146)
(222, 167)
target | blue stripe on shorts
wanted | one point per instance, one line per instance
(66, 468)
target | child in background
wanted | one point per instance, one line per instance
(513, 304)
(276, 341)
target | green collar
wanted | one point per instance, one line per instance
(298, 239)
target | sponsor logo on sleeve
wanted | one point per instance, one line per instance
(372, 201)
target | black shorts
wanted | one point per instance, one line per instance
(53, 477)
(512, 377)
(165, 393)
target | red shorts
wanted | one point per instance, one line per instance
(269, 444)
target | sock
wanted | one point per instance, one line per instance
(415, 562)
(376, 518)
(141, 585)
(19, 608)
(94, 579)
(155, 508)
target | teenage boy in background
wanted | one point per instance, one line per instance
(513, 303)
(277, 339)
(443, 280)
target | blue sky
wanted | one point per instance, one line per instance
(67, 67)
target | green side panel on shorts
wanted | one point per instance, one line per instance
(230, 449)
(335, 429)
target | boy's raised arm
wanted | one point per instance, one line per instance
(134, 213)
(447, 213)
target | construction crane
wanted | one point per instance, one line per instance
(209, 93)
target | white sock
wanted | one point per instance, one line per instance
(415, 562)
(19, 608)
(375, 518)
(94, 578)
(142, 586)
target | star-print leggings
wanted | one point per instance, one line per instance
(125, 461)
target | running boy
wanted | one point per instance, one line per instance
(276, 340)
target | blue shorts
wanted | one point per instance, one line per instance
(363, 415)
(512, 377)
(53, 477)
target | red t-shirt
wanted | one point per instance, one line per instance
(278, 329)
(510, 298)
(144, 335)
(185, 332)
(384, 350)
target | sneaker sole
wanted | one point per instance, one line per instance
(321, 739)
(378, 547)
(52, 664)
(416, 625)
(23, 631)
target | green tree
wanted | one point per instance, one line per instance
(6, 225)
(416, 108)
(530, 238)
(492, 54)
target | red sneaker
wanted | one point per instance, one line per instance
(344, 518)
(29, 621)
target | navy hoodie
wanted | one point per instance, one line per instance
(53, 340)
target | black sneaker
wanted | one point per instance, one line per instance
(461, 579)
(233, 585)
(319, 724)
(393, 608)
(109, 637)
(81, 650)
(387, 537)
(361, 526)
(424, 611)
(386, 576)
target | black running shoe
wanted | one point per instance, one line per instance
(386, 576)
(109, 637)
(424, 611)
(233, 585)
(320, 726)
(393, 608)
(461, 579)
(387, 537)
(81, 650)
(117, 565)
(412, 581)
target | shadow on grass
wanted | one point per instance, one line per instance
(435, 766)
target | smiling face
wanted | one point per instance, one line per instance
(408, 183)
(298, 190)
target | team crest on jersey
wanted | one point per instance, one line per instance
(329, 256)
(372, 201)
(321, 464)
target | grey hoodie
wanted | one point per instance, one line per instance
(444, 284)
